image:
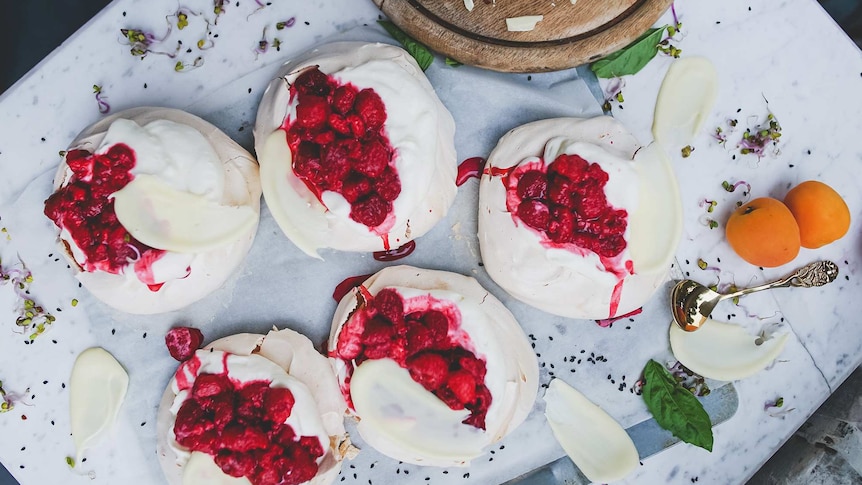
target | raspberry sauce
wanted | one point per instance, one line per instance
(424, 336)
(339, 144)
(470, 168)
(348, 284)
(395, 254)
(84, 208)
(242, 426)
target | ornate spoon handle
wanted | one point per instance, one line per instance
(817, 273)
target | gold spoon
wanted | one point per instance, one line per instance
(691, 302)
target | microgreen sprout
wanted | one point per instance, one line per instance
(732, 187)
(712, 224)
(142, 42)
(756, 140)
(452, 62)
(70, 461)
(218, 9)
(686, 151)
(772, 407)
(709, 204)
(262, 45)
(286, 24)
(688, 379)
(104, 107)
(719, 135)
(181, 66)
(5, 403)
(31, 316)
(276, 42)
(774, 404)
(665, 46)
(614, 92)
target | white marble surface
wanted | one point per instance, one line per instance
(788, 52)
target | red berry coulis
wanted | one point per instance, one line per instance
(395, 254)
(242, 426)
(338, 144)
(470, 168)
(85, 209)
(424, 336)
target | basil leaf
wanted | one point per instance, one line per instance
(452, 62)
(632, 58)
(674, 408)
(423, 56)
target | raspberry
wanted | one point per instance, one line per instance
(342, 99)
(207, 385)
(370, 210)
(463, 386)
(349, 344)
(237, 437)
(373, 159)
(474, 366)
(595, 173)
(479, 408)
(357, 126)
(251, 398)
(592, 203)
(419, 338)
(122, 157)
(324, 138)
(388, 303)
(312, 445)
(339, 124)
(562, 225)
(278, 403)
(306, 162)
(312, 112)
(534, 213)
(561, 191)
(571, 167)
(370, 107)
(377, 338)
(206, 442)
(221, 408)
(190, 420)
(312, 82)
(284, 436)
(532, 185)
(388, 184)
(182, 342)
(429, 369)
(236, 464)
(82, 168)
(298, 467)
(611, 246)
(355, 186)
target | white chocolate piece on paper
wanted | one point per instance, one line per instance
(97, 389)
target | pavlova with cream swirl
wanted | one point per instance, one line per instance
(433, 366)
(576, 218)
(155, 208)
(253, 409)
(356, 150)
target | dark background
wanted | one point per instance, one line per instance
(31, 29)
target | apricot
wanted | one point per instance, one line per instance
(763, 232)
(822, 215)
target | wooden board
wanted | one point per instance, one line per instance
(568, 35)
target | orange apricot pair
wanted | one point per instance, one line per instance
(768, 232)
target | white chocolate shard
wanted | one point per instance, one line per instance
(97, 389)
(524, 23)
(595, 442)
(723, 351)
(685, 99)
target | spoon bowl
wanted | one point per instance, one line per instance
(692, 302)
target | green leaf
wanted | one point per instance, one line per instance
(423, 56)
(452, 62)
(632, 58)
(674, 408)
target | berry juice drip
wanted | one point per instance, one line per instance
(348, 284)
(427, 341)
(470, 168)
(339, 144)
(395, 254)
(84, 208)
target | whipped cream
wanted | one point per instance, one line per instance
(188, 155)
(579, 284)
(304, 418)
(395, 406)
(286, 358)
(418, 127)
